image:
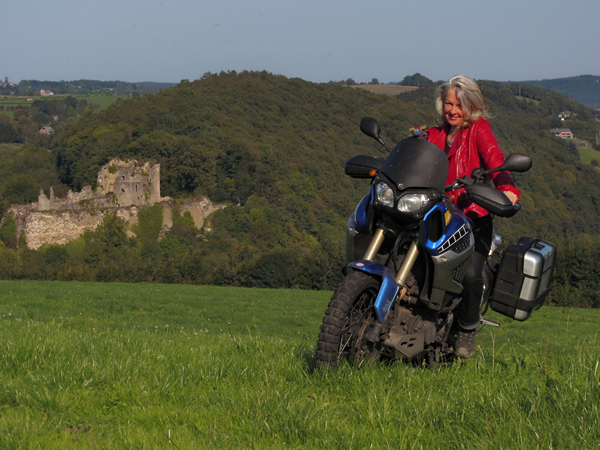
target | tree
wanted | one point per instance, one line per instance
(416, 80)
(8, 133)
(150, 221)
(112, 232)
(55, 255)
(71, 102)
(8, 232)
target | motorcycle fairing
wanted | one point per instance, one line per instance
(443, 228)
(360, 221)
(388, 290)
(447, 236)
(416, 163)
(362, 216)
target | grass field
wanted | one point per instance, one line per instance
(91, 365)
(101, 100)
(12, 102)
(387, 89)
(587, 154)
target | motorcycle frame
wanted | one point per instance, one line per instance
(455, 230)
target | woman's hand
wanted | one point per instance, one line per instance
(511, 196)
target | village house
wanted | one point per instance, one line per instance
(564, 133)
(564, 115)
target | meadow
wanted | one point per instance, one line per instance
(588, 154)
(99, 365)
(387, 89)
(102, 101)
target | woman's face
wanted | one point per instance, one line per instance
(453, 111)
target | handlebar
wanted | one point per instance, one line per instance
(492, 199)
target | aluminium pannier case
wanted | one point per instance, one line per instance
(523, 278)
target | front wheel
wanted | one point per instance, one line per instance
(348, 319)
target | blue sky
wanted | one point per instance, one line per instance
(171, 40)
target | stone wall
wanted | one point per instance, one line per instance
(124, 188)
(119, 183)
(131, 183)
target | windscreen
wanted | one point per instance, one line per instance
(416, 163)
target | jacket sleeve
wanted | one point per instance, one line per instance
(491, 156)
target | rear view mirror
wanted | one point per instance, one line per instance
(370, 127)
(515, 162)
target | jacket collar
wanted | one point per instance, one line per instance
(457, 141)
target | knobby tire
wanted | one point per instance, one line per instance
(348, 312)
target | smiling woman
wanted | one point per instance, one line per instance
(466, 137)
(453, 111)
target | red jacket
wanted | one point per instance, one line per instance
(474, 146)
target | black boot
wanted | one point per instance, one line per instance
(465, 343)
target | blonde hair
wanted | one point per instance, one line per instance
(469, 96)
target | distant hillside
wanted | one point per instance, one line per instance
(585, 88)
(236, 136)
(80, 87)
(274, 148)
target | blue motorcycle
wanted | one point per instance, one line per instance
(407, 249)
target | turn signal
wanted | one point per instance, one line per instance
(372, 173)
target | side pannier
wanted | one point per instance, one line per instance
(523, 278)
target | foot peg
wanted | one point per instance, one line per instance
(489, 322)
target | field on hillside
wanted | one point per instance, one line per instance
(8, 103)
(103, 101)
(588, 154)
(387, 89)
(92, 365)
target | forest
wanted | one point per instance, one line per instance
(584, 88)
(273, 149)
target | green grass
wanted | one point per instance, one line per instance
(10, 102)
(587, 154)
(91, 365)
(102, 100)
(537, 102)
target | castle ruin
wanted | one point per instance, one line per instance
(119, 184)
(123, 188)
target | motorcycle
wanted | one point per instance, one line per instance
(407, 248)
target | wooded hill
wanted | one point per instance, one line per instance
(232, 136)
(584, 88)
(273, 148)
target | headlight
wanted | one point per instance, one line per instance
(385, 195)
(411, 203)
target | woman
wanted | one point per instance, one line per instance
(466, 137)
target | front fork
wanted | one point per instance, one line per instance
(391, 287)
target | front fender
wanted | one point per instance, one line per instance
(388, 290)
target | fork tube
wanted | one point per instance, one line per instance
(408, 263)
(375, 245)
